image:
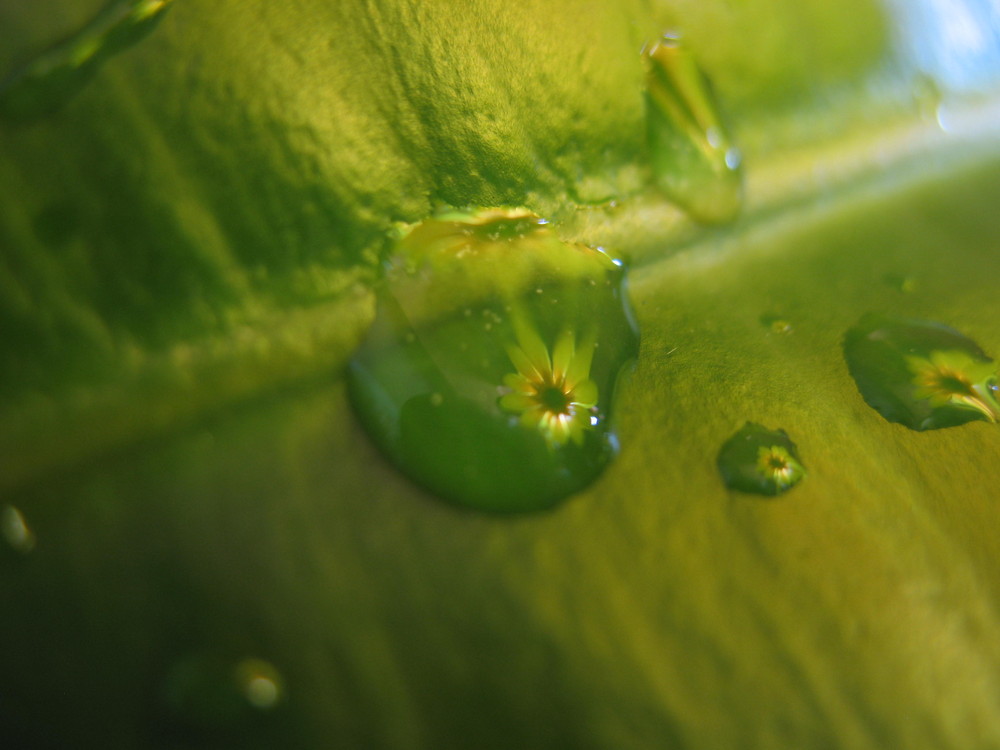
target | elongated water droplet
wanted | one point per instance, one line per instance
(921, 374)
(693, 157)
(761, 461)
(48, 81)
(489, 373)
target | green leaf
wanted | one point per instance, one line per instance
(188, 245)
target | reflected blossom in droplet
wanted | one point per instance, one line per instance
(954, 378)
(921, 373)
(552, 394)
(777, 465)
(489, 373)
(760, 461)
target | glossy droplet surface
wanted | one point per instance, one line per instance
(760, 461)
(693, 157)
(922, 374)
(48, 81)
(489, 373)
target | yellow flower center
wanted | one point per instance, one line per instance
(551, 393)
(555, 399)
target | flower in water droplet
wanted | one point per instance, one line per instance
(777, 465)
(761, 461)
(921, 373)
(480, 375)
(553, 394)
(953, 378)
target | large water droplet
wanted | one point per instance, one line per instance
(693, 157)
(489, 373)
(761, 461)
(48, 81)
(922, 374)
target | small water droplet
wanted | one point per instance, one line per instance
(921, 374)
(52, 78)
(210, 693)
(260, 682)
(513, 415)
(693, 157)
(15, 530)
(776, 323)
(901, 283)
(760, 461)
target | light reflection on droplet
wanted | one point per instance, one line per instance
(260, 683)
(943, 116)
(15, 530)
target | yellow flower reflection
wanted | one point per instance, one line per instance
(953, 378)
(551, 394)
(776, 464)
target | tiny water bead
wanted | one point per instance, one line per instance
(693, 157)
(760, 461)
(776, 323)
(215, 695)
(48, 81)
(489, 373)
(921, 374)
(15, 530)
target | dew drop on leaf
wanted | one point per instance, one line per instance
(921, 374)
(776, 323)
(693, 157)
(513, 416)
(760, 461)
(15, 530)
(208, 694)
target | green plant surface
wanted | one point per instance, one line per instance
(187, 248)
(655, 609)
(218, 191)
